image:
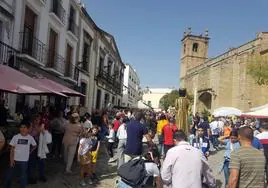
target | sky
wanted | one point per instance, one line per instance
(148, 32)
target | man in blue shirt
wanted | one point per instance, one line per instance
(135, 133)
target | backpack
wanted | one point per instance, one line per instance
(133, 172)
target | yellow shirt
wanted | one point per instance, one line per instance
(160, 125)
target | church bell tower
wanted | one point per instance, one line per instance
(194, 52)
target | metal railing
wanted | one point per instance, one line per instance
(55, 61)
(111, 81)
(32, 46)
(58, 10)
(9, 56)
(69, 70)
(73, 27)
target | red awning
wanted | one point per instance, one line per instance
(15, 81)
(59, 87)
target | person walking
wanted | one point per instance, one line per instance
(122, 137)
(231, 143)
(168, 131)
(263, 137)
(247, 165)
(201, 142)
(135, 132)
(70, 140)
(185, 165)
(57, 126)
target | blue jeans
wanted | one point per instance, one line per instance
(214, 140)
(226, 171)
(21, 168)
(33, 162)
(160, 145)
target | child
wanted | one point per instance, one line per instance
(110, 142)
(84, 157)
(94, 150)
(87, 124)
(19, 154)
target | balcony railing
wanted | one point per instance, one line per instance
(9, 56)
(72, 27)
(32, 46)
(55, 61)
(69, 70)
(110, 80)
(58, 10)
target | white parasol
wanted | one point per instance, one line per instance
(226, 111)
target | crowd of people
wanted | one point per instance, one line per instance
(171, 157)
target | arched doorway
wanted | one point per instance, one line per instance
(206, 99)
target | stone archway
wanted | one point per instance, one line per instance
(206, 99)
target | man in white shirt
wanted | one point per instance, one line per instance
(184, 166)
(215, 127)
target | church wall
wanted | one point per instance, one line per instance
(227, 77)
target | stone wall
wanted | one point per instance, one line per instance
(226, 78)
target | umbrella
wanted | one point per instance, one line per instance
(226, 111)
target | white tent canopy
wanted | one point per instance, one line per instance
(262, 113)
(259, 107)
(226, 111)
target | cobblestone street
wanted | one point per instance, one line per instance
(107, 173)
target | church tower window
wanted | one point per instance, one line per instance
(195, 47)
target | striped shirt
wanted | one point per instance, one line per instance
(251, 164)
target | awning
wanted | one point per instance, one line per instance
(17, 82)
(58, 87)
(262, 113)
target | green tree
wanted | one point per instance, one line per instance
(257, 67)
(169, 99)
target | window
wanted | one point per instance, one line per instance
(109, 68)
(195, 47)
(101, 62)
(98, 100)
(1, 32)
(85, 61)
(184, 48)
(83, 91)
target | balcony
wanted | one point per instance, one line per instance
(9, 56)
(110, 81)
(58, 10)
(7, 7)
(70, 73)
(32, 49)
(55, 63)
(73, 28)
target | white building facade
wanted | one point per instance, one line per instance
(109, 72)
(131, 87)
(152, 96)
(58, 40)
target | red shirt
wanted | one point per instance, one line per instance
(117, 124)
(168, 131)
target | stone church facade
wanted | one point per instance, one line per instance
(223, 80)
